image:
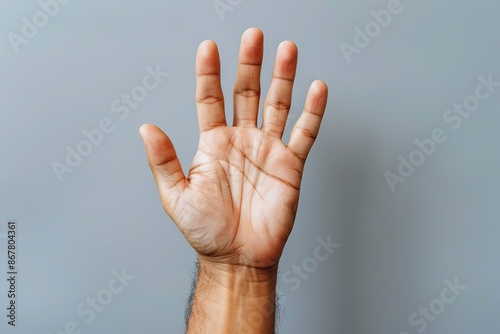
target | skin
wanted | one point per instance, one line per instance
(237, 205)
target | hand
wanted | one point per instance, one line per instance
(238, 204)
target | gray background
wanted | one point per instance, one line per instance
(397, 248)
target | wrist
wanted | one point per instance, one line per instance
(233, 298)
(238, 278)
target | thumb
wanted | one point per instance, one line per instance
(164, 164)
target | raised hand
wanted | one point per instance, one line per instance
(238, 203)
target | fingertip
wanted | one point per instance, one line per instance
(252, 32)
(206, 46)
(288, 46)
(146, 129)
(143, 129)
(319, 87)
(254, 29)
(317, 97)
(207, 58)
(287, 56)
(152, 135)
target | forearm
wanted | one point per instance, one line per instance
(233, 299)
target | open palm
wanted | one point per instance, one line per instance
(238, 203)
